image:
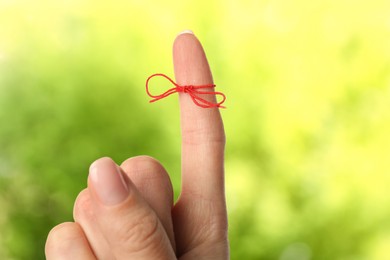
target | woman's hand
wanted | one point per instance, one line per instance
(127, 211)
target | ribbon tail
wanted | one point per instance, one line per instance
(205, 103)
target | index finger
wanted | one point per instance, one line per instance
(203, 137)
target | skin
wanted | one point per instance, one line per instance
(127, 211)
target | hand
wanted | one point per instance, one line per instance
(127, 212)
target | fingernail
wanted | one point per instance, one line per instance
(186, 31)
(108, 182)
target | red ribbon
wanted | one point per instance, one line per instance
(193, 91)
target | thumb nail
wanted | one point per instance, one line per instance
(108, 182)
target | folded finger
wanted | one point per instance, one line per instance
(83, 215)
(67, 241)
(153, 183)
(131, 228)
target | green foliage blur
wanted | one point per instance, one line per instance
(307, 118)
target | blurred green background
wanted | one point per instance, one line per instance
(307, 123)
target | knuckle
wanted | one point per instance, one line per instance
(211, 225)
(219, 228)
(142, 163)
(141, 233)
(204, 135)
(214, 230)
(82, 206)
(61, 237)
(145, 171)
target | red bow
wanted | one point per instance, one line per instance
(193, 91)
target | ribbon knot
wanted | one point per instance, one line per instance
(185, 89)
(192, 90)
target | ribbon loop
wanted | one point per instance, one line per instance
(192, 90)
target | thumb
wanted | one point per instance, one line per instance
(130, 226)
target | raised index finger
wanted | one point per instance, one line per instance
(199, 217)
(203, 137)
